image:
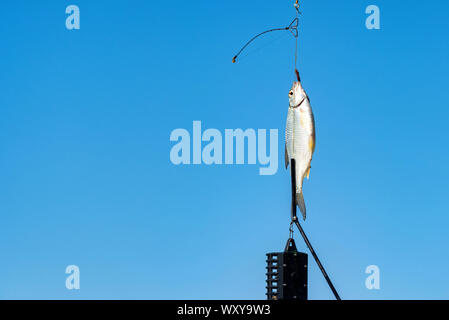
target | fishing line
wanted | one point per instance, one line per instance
(292, 27)
(296, 5)
(250, 52)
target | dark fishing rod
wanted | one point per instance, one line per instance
(318, 262)
(303, 234)
(292, 27)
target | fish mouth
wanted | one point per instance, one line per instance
(296, 85)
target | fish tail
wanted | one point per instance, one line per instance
(299, 198)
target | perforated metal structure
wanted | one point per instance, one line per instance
(287, 274)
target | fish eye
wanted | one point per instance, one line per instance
(290, 93)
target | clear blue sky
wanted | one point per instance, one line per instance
(85, 175)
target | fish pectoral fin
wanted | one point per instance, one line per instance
(307, 173)
(287, 159)
(312, 143)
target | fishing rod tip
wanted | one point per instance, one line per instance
(233, 59)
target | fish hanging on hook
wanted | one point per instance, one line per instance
(292, 27)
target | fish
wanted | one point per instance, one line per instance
(299, 139)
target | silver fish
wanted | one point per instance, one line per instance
(299, 138)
